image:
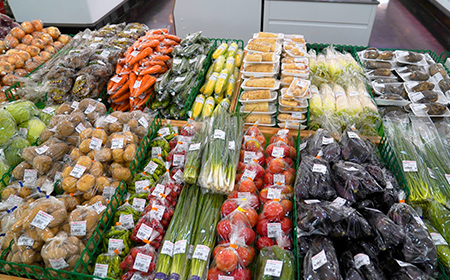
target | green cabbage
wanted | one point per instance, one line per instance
(7, 126)
(14, 150)
(22, 110)
(45, 116)
(35, 126)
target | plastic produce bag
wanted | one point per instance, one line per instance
(237, 225)
(321, 261)
(148, 230)
(7, 125)
(442, 248)
(391, 233)
(353, 148)
(141, 261)
(126, 215)
(108, 265)
(323, 145)
(275, 263)
(21, 110)
(13, 150)
(34, 128)
(117, 238)
(273, 226)
(83, 221)
(314, 179)
(227, 262)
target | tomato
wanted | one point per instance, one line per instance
(268, 178)
(248, 234)
(273, 211)
(288, 161)
(251, 215)
(276, 166)
(261, 139)
(238, 177)
(247, 185)
(292, 152)
(252, 145)
(264, 241)
(287, 190)
(227, 260)
(239, 219)
(217, 250)
(258, 183)
(241, 274)
(245, 254)
(288, 177)
(224, 229)
(263, 195)
(286, 225)
(228, 207)
(213, 273)
(287, 205)
(261, 227)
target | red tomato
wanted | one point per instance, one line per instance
(252, 216)
(227, 260)
(217, 250)
(261, 227)
(261, 139)
(263, 195)
(286, 225)
(288, 177)
(258, 183)
(264, 241)
(242, 274)
(276, 166)
(287, 205)
(248, 234)
(252, 145)
(247, 185)
(228, 207)
(268, 178)
(245, 254)
(213, 273)
(224, 229)
(273, 211)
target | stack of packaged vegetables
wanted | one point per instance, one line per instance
(174, 87)
(220, 80)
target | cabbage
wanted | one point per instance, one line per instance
(22, 110)
(34, 126)
(7, 126)
(14, 150)
(45, 115)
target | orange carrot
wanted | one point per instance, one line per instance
(145, 52)
(148, 44)
(161, 57)
(121, 98)
(151, 70)
(173, 38)
(146, 82)
(135, 87)
(121, 90)
(168, 42)
(132, 80)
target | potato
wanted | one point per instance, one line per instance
(66, 171)
(86, 134)
(100, 134)
(72, 140)
(76, 117)
(69, 184)
(8, 192)
(63, 109)
(85, 161)
(141, 131)
(24, 192)
(96, 169)
(57, 151)
(75, 154)
(129, 153)
(59, 217)
(71, 202)
(124, 117)
(117, 155)
(86, 183)
(101, 182)
(130, 137)
(53, 252)
(92, 154)
(32, 233)
(84, 146)
(65, 128)
(42, 163)
(90, 194)
(97, 198)
(29, 153)
(45, 234)
(122, 173)
(115, 127)
(133, 124)
(104, 155)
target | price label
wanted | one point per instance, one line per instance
(167, 248)
(223, 76)
(351, 169)
(95, 144)
(14, 200)
(277, 152)
(108, 191)
(139, 204)
(416, 96)
(219, 134)
(243, 195)
(116, 79)
(137, 84)
(273, 230)
(144, 232)
(195, 147)
(303, 146)
(221, 277)
(438, 239)
(99, 207)
(115, 244)
(319, 168)
(437, 77)
(180, 247)
(80, 127)
(117, 143)
(78, 228)
(143, 121)
(178, 177)
(199, 100)
(249, 156)
(231, 145)
(339, 201)
(164, 131)
(327, 141)
(58, 263)
(126, 221)
(159, 189)
(179, 79)
(249, 174)
(178, 160)
(274, 193)
(138, 277)
(159, 211)
(279, 178)
(151, 167)
(319, 260)
(431, 173)
(210, 102)
(134, 53)
(297, 115)
(25, 241)
(232, 48)
(389, 185)
(273, 268)
(311, 201)
(447, 176)
(75, 104)
(110, 119)
(352, 134)
(41, 220)
(141, 186)
(101, 270)
(409, 166)
(30, 176)
(156, 151)
(201, 252)
(89, 109)
(48, 110)
(77, 171)
(105, 53)
(23, 132)
(142, 262)
(41, 150)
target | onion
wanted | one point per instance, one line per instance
(39, 59)
(17, 32)
(27, 39)
(6, 68)
(4, 57)
(45, 55)
(38, 43)
(50, 49)
(37, 24)
(24, 55)
(2, 47)
(21, 72)
(58, 45)
(46, 38)
(30, 65)
(33, 50)
(27, 27)
(11, 42)
(21, 47)
(10, 79)
(64, 39)
(45, 30)
(37, 34)
(16, 60)
(54, 32)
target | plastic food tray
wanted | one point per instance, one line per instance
(307, 95)
(384, 102)
(277, 50)
(419, 110)
(274, 72)
(273, 97)
(377, 87)
(280, 36)
(292, 125)
(276, 59)
(295, 120)
(361, 57)
(303, 60)
(304, 104)
(414, 96)
(272, 122)
(410, 84)
(272, 110)
(288, 110)
(401, 57)
(275, 87)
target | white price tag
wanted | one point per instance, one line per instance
(139, 204)
(77, 171)
(210, 102)
(352, 134)
(311, 201)
(319, 168)
(80, 127)
(141, 186)
(143, 121)
(327, 141)
(48, 110)
(178, 177)
(222, 277)
(78, 228)
(180, 247)
(273, 230)
(409, 166)
(95, 144)
(231, 145)
(159, 189)
(117, 143)
(431, 173)
(351, 169)
(339, 201)
(201, 252)
(389, 185)
(164, 131)
(274, 193)
(144, 232)
(41, 220)
(156, 151)
(134, 53)
(249, 156)
(116, 79)
(438, 239)
(249, 174)
(297, 115)
(277, 152)
(30, 176)
(89, 109)
(273, 268)
(101, 270)
(99, 207)
(108, 192)
(447, 176)
(279, 179)
(126, 221)
(137, 84)
(219, 134)
(178, 160)
(14, 200)
(319, 260)
(361, 259)
(115, 244)
(25, 241)
(199, 100)
(416, 96)
(151, 167)
(142, 262)
(110, 119)
(167, 248)
(195, 147)
(303, 146)
(58, 263)
(243, 195)
(105, 53)
(137, 277)
(41, 150)
(159, 211)
(75, 104)
(437, 77)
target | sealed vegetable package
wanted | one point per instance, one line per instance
(237, 225)
(83, 221)
(276, 263)
(442, 248)
(321, 261)
(148, 230)
(108, 265)
(141, 260)
(227, 262)
(322, 144)
(117, 238)
(354, 149)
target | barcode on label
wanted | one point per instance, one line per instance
(115, 244)
(273, 193)
(319, 260)
(30, 176)
(117, 143)
(327, 141)
(41, 220)
(143, 121)
(167, 248)
(278, 152)
(101, 270)
(25, 241)
(89, 109)
(361, 259)
(273, 230)
(80, 127)
(180, 247)
(178, 160)
(139, 204)
(78, 228)
(151, 167)
(219, 134)
(409, 166)
(319, 168)
(438, 239)
(249, 174)
(58, 263)
(201, 252)
(126, 221)
(273, 268)
(41, 150)
(144, 232)
(249, 156)
(77, 171)
(159, 211)
(142, 262)
(141, 186)
(279, 178)
(95, 144)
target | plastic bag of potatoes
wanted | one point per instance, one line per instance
(15, 193)
(83, 221)
(25, 250)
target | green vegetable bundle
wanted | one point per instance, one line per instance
(194, 157)
(117, 233)
(108, 265)
(277, 254)
(442, 248)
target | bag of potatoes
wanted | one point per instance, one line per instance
(83, 221)
(26, 250)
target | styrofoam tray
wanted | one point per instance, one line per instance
(275, 70)
(272, 110)
(401, 57)
(277, 50)
(304, 75)
(276, 86)
(276, 59)
(295, 120)
(410, 84)
(291, 126)
(284, 95)
(272, 123)
(419, 110)
(414, 96)
(303, 60)
(290, 37)
(377, 87)
(273, 97)
(371, 77)
(288, 110)
(280, 36)
(385, 102)
(361, 57)
(303, 103)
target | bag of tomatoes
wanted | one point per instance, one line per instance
(177, 156)
(148, 230)
(140, 261)
(253, 131)
(252, 170)
(251, 198)
(228, 262)
(279, 165)
(276, 192)
(238, 225)
(162, 210)
(166, 189)
(281, 149)
(283, 135)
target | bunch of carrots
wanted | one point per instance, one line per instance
(137, 72)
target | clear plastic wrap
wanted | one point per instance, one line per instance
(83, 221)
(321, 261)
(117, 238)
(276, 263)
(228, 262)
(108, 265)
(442, 248)
(323, 145)
(141, 261)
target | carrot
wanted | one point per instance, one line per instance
(135, 87)
(146, 82)
(167, 50)
(117, 85)
(145, 52)
(173, 38)
(148, 44)
(124, 107)
(121, 90)
(151, 70)
(168, 42)
(142, 102)
(161, 57)
(121, 98)
(154, 62)
(119, 65)
(132, 80)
